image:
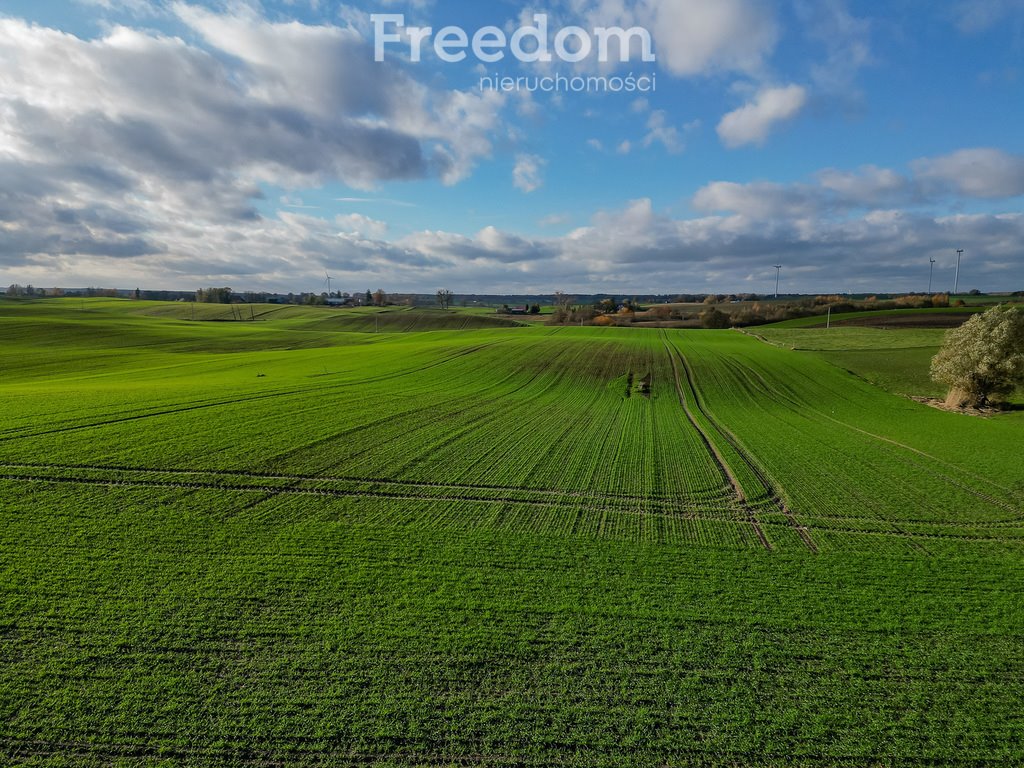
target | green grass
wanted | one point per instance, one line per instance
(895, 360)
(838, 319)
(898, 361)
(295, 543)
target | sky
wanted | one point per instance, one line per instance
(177, 144)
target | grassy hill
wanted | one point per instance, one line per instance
(282, 542)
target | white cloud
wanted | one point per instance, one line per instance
(759, 200)
(966, 174)
(846, 40)
(149, 152)
(753, 122)
(976, 16)
(555, 220)
(980, 173)
(659, 131)
(868, 186)
(139, 159)
(697, 37)
(690, 37)
(527, 175)
(357, 224)
(639, 106)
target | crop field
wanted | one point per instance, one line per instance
(297, 537)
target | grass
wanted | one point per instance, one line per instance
(289, 543)
(897, 361)
(876, 316)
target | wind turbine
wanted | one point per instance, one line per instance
(931, 271)
(778, 276)
(328, 281)
(956, 285)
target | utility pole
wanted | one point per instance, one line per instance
(931, 271)
(956, 284)
(778, 276)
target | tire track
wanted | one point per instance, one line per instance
(775, 497)
(399, 488)
(697, 512)
(720, 461)
(218, 402)
(801, 408)
(357, 479)
(774, 492)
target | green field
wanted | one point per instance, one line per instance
(299, 537)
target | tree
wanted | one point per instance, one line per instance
(380, 298)
(213, 295)
(982, 360)
(712, 318)
(444, 298)
(369, 298)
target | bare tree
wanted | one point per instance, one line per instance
(444, 298)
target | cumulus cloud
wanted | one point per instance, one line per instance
(698, 37)
(141, 159)
(691, 37)
(357, 224)
(136, 145)
(759, 200)
(527, 176)
(869, 186)
(659, 131)
(754, 121)
(979, 173)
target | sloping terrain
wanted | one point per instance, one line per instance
(244, 543)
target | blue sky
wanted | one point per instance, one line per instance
(180, 144)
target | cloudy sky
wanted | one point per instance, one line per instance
(183, 143)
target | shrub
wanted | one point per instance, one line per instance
(712, 318)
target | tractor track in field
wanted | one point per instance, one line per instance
(364, 480)
(709, 444)
(699, 510)
(17, 434)
(775, 498)
(450, 408)
(775, 495)
(802, 409)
